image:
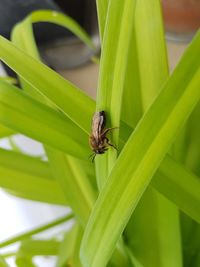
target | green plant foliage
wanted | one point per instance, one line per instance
(184, 191)
(3, 262)
(17, 109)
(28, 177)
(69, 248)
(30, 233)
(4, 131)
(125, 205)
(31, 248)
(63, 94)
(79, 193)
(65, 169)
(127, 182)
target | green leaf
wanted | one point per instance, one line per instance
(134, 261)
(114, 60)
(8, 79)
(148, 70)
(179, 186)
(190, 231)
(67, 97)
(127, 182)
(196, 262)
(147, 65)
(74, 182)
(192, 154)
(151, 49)
(132, 108)
(35, 231)
(69, 248)
(64, 21)
(102, 8)
(30, 248)
(69, 172)
(23, 261)
(32, 118)
(3, 262)
(29, 178)
(33, 247)
(4, 131)
(155, 221)
(182, 192)
(22, 36)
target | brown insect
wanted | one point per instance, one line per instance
(99, 143)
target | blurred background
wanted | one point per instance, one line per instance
(66, 54)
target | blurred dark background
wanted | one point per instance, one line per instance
(13, 11)
(58, 47)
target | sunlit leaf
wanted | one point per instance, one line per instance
(67, 97)
(24, 114)
(127, 182)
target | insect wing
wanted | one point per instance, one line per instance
(98, 123)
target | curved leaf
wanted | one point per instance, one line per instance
(70, 172)
(63, 94)
(64, 21)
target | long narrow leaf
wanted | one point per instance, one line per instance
(64, 21)
(110, 88)
(102, 8)
(145, 149)
(30, 248)
(22, 35)
(23, 261)
(180, 186)
(68, 98)
(3, 262)
(4, 131)
(29, 178)
(24, 163)
(69, 247)
(69, 172)
(22, 113)
(74, 183)
(33, 247)
(35, 231)
(160, 226)
(155, 221)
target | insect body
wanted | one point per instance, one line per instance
(98, 140)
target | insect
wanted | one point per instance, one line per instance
(98, 141)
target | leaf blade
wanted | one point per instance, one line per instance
(29, 178)
(183, 192)
(67, 97)
(22, 113)
(174, 109)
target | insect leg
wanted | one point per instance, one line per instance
(92, 156)
(105, 131)
(108, 143)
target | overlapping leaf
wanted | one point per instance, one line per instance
(145, 149)
(22, 113)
